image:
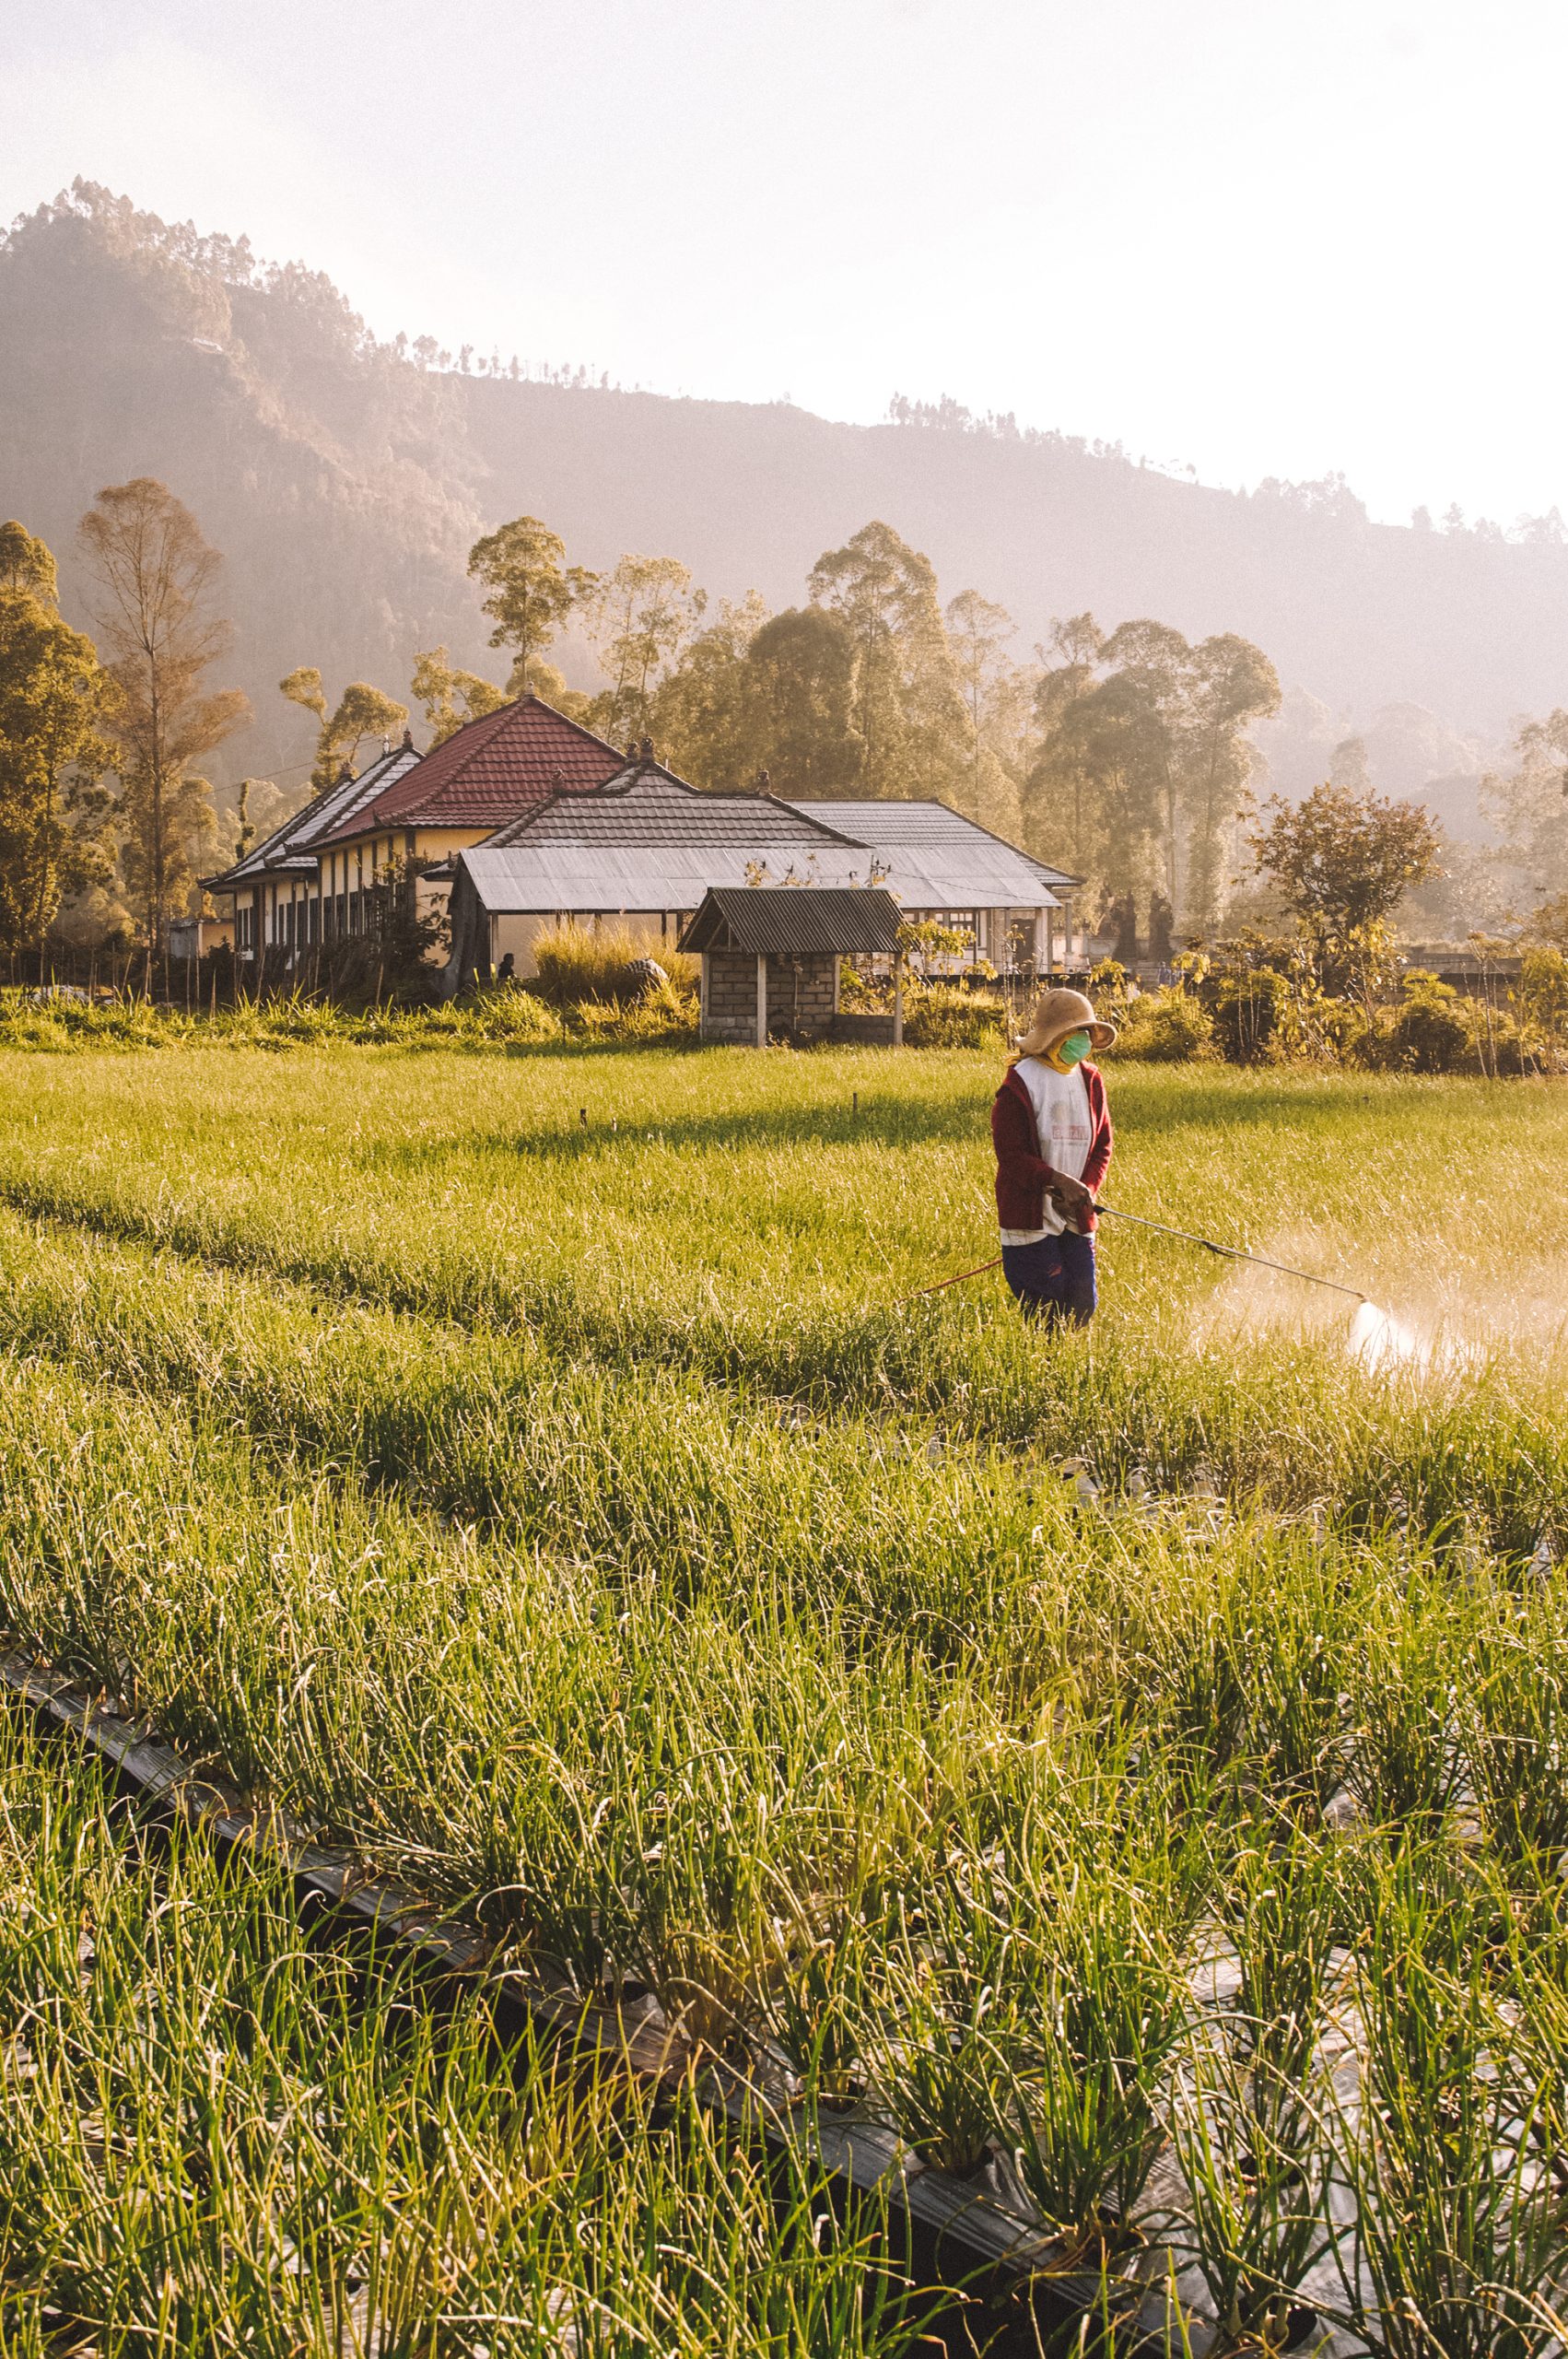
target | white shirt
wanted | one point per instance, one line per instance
(1064, 1128)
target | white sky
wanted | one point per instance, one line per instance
(1266, 237)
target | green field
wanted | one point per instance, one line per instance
(1138, 1754)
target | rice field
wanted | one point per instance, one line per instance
(1130, 1765)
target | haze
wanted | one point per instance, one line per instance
(1280, 239)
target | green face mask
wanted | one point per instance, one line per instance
(1074, 1050)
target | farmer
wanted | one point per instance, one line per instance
(1053, 1148)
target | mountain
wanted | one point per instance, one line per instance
(343, 480)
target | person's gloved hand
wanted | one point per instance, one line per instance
(1073, 1198)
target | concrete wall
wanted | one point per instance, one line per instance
(801, 996)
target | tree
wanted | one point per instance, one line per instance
(1231, 684)
(978, 633)
(701, 714)
(25, 564)
(1342, 862)
(155, 574)
(532, 590)
(640, 620)
(1532, 804)
(55, 697)
(441, 688)
(906, 711)
(799, 695)
(362, 712)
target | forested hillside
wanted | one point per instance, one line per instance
(345, 480)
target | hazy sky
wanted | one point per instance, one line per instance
(1266, 237)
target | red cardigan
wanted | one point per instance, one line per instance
(1021, 1174)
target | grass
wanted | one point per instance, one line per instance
(565, 1515)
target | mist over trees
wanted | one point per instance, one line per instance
(1082, 653)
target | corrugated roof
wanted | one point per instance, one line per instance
(926, 823)
(540, 879)
(782, 923)
(290, 850)
(534, 877)
(490, 771)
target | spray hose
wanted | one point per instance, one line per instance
(1187, 1235)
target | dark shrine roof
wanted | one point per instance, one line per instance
(788, 923)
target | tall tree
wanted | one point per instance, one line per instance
(702, 713)
(531, 588)
(155, 573)
(640, 619)
(1231, 684)
(799, 700)
(27, 564)
(908, 711)
(978, 633)
(54, 696)
(1530, 803)
(450, 696)
(362, 712)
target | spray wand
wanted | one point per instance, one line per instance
(1188, 1236)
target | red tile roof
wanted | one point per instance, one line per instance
(489, 771)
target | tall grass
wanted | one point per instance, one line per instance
(220, 2134)
(554, 1513)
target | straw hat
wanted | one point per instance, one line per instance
(1057, 1014)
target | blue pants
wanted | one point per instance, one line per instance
(1053, 1279)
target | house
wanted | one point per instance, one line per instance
(770, 957)
(273, 891)
(312, 883)
(958, 855)
(645, 847)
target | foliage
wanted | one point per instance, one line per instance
(641, 619)
(55, 699)
(574, 963)
(1342, 861)
(442, 686)
(1530, 803)
(1428, 1032)
(531, 590)
(702, 712)
(155, 575)
(1142, 773)
(573, 1516)
(362, 712)
(1168, 1027)
(906, 713)
(942, 1015)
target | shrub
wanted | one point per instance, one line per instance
(1428, 1032)
(576, 962)
(939, 1015)
(1249, 1004)
(1541, 997)
(1169, 1026)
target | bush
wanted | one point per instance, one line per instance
(1170, 1027)
(576, 963)
(1428, 1032)
(938, 1015)
(1249, 1006)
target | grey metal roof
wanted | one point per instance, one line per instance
(786, 923)
(287, 851)
(546, 878)
(927, 824)
(647, 840)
